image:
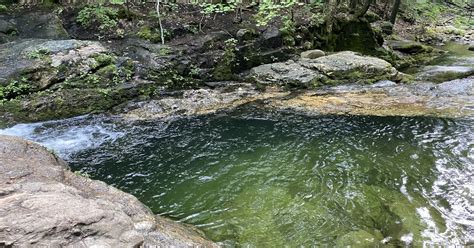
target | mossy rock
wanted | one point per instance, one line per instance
(409, 47)
(64, 103)
(103, 59)
(353, 35)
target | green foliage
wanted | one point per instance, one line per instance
(118, 2)
(164, 51)
(105, 92)
(14, 89)
(147, 33)
(425, 11)
(224, 69)
(268, 10)
(82, 174)
(288, 31)
(92, 79)
(463, 21)
(152, 34)
(3, 8)
(104, 59)
(38, 54)
(211, 8)
(173, 80)
(105, 18)
(317, 19)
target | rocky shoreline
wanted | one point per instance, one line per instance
(48, 75)
(452, 99)
(43, 203)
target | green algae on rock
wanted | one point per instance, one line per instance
(338, 68)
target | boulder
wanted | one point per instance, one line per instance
(6, 27)
(40, 25)
(23, 57)
(271, 38)
(44, 204)
(409, 47)
(289, 72)
(444, 73)
(350, 65)
(342, 67)
(353, 35)
(210, 40)
(471, 48)
(312, 54)
(51, 79)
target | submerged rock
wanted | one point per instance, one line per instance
(44, 204)
(342, 67)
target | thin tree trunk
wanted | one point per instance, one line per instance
(395, 9)
(162, 33)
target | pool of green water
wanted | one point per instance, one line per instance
(256, 179)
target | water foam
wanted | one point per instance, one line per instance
(69, 136)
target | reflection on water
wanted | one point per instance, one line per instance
(272, 179)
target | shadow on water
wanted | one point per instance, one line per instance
(254, 178)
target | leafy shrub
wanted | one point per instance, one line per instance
(147, 33)
(103, 59)
(268, 10)
(288, 31)
(3, 8)
(224, 70)
(38, 54)
(14, 89)
(104, 18)
(211, 8)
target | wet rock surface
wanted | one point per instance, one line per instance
(44, 204)
(193, 102)
(444, 73)
(385, 98)
(450, 99)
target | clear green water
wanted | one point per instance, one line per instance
(257, 179)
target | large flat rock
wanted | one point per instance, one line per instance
(338, 68)
(44, 204)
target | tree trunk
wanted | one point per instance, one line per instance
(159, 21)
(395, 9)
